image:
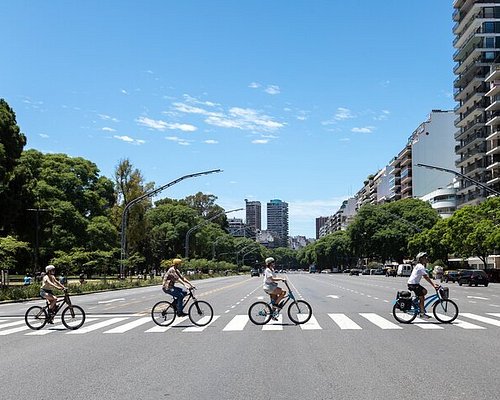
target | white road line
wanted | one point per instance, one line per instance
(201, 328)
(343, 321)
(495, 314)
(109, 301)
(13, 330)
(55, 328)
(130, 325)
(238, 323)
(380, 321)
(479, 318)
(477, 297)
(426, 325)
(464, 325)
(11, 324)
(312, 324)
(158, 328)
(274, 325)
(333, 296)
(99, 325)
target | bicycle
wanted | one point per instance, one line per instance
(72, 317)
(407, 307)
(299, 311)
(200, 312)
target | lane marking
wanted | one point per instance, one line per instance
(477, 297)
(109, 301)
(274, 325)
(463, 324)
(130, 325)
(380, 321)
(157, 328)
(479, 318)
(99, 325)
(56, 328)
(333, 296)
(238, 323)
(201, 328)
(343, 321)
(312, 324)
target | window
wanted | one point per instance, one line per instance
(489, 42)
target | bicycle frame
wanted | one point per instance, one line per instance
(428, 301)
(289, 297)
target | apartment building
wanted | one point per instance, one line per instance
(477, 43)
(493, 129)
(253, 216)
(277, 221)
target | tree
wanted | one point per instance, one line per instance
(206, 207)
(12, 142)
(10, 251)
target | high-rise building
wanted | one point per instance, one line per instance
(253, 215)
(320, 222)
(477, 31)
(277, 221)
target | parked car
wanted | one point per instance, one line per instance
(354, 272)
(366, 271)
(378, 271)
(390, 272)
(450, 276)
(254, 272)
(473, 277)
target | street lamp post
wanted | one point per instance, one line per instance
(123, 239)
(186, 253)
(481, 185)
(37, 211)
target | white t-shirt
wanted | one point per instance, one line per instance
(268, 274)
(416, 274)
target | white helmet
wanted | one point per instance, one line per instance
(269, 260)
(49, 268)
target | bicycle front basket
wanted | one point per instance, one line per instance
(444, 292)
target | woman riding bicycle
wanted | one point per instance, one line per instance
(270, 283)
(172, 276)
(49, 283)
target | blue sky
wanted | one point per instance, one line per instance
(295, 100)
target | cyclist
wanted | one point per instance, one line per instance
(49, 283)
(270, 283)
(172, 276)
(414, 285)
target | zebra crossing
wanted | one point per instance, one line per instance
(121, 324)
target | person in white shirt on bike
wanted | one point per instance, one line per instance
(270, 285)
(414, 285)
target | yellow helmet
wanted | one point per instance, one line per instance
(176, 261)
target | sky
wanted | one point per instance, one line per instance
(297, 100)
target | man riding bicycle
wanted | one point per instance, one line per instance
(417, 273)
(172, 276)
(270, 283)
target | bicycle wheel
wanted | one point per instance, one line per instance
(299, 312)
(445, 311)
(404, 316)
(200, 313)
(36, 317)
(163, 313)
(73, 317)
(260, 313)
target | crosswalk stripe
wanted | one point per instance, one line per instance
(380, 321)
(426, 325)
(495, 314)
(159, 329)
(479, 318)
(11, 324)
(238, 323)
(343, 321)
(55, 328)
(201, 328)
(312, 324)
(130, 325)
(99, 325)
(13, 330)
(274, 325)
(465, 325)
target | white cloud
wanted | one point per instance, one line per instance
(108, 118)
(128, 139)
(123, 91)
(260, 141)
(366, 129)
(343, 114)
(178, 140)
(44, 135)
(211, 141)
(245, 119)
(254, 85)
(345, 140)
(162, 125)
(108, 129)
(272, 89)
(382, 116)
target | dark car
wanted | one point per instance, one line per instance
(473, 277)
(354, 272)
(254, 272)
(450, 276)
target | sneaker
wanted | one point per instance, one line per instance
(424, 316)
(181, 314)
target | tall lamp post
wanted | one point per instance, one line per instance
(150, 194)
(188, 233)
(481, 185)
(37, 212)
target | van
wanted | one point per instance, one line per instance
(404, 270)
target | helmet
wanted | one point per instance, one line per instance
(420, 255)
(49, 268)
(269, 260)
(176, 261)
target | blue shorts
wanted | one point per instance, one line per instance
(43, 292)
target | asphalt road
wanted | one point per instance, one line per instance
(351, 349)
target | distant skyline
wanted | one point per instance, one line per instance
(298, 101)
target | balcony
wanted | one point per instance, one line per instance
(493, 147)
(471, 114)
(473, 127)
(463, 52)
(494, 121)
(461, 94)
(495, 89)
(469, 102)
